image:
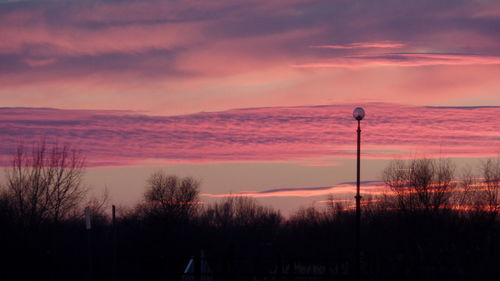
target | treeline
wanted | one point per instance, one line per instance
(432, 224)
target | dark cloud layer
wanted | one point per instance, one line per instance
(66, 35)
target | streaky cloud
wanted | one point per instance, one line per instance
(403, 60)
(339, 190)
(465, 107)
(126, 53)
(258, 134)
(361, 45)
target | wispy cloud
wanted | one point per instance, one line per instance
(231, 54)
(258, 134)
(364, 45)
(403, 59)
(338, 190)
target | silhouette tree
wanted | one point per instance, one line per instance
(491, 190)
(481, 193)
(171, 197)
(45, 183)
(421, 184)
(241, 211)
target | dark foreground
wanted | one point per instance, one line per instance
(257, 245)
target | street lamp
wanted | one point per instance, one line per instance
(358, 114)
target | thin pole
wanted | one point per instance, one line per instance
(113, 213)
(358, 209)
(89, 252)
(88, 226)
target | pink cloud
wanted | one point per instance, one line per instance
(162, 55)
(70, 41)
(342, 189)
(403, 59)
(361, 45)
(259, 134)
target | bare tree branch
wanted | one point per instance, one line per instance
(46, 183)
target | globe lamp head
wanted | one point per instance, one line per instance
(358, 113)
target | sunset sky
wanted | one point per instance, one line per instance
(254, 96)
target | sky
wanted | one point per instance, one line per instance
(251, 97)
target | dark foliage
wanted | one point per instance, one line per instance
(459, 240)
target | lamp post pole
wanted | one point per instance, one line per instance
(88, 226)
(358, 114)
